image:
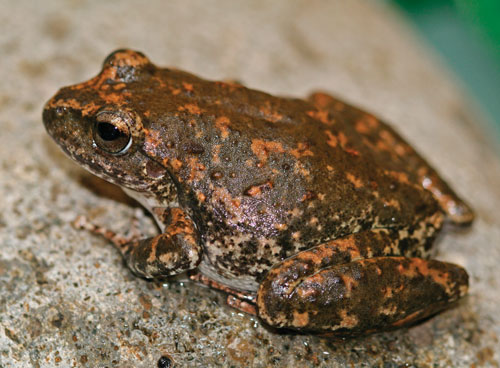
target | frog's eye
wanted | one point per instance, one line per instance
(111, 133)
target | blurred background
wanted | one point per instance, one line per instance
(466, 33)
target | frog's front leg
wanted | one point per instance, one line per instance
(174, 251)
(335, 288)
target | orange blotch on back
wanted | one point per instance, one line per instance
(222, 123)
(366, 124)
(175, 91)
(187, 86)
(269, 113)
(388, 142)
(232, 205)
(354, 180)
(262, 149)
(190, 108)
(258, 190)
(332, 140)
(152, 141)
(296, 235)
(280, 227)
(324, 101)
(176, 164)
(320, 115)
(197, 169)
(392, 203)
(401, 177)
(301, 150)
(301, 169)
(216, 154)
(201, 197)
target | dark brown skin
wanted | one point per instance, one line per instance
(318, 209)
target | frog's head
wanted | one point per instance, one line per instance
(99, 124)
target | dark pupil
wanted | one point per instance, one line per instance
(108, 132)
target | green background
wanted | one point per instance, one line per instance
(467, 35)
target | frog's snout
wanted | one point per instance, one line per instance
(48, 118)
(63, 123)
(52, 118)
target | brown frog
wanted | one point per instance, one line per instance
(312, 214)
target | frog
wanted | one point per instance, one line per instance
(312, 214)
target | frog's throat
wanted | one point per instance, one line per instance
(149, 202)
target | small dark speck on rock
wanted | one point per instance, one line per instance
(164, 362)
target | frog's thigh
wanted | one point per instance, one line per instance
(175, 251)
(367, 125)
(315, 291)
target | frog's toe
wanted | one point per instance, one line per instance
(362, 296)
(162, 256)
(457, 210)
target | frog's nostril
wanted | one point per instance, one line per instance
(59, 111)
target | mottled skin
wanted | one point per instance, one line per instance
(318, 209)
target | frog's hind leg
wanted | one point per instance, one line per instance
(243, 301)
(356, 285)
(393, 151)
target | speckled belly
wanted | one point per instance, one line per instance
(239, 282)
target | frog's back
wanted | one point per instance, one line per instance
(286, 153)
(267, 176)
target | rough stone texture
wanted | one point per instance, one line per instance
(67, 300)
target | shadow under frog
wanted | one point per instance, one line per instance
(312, 214)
